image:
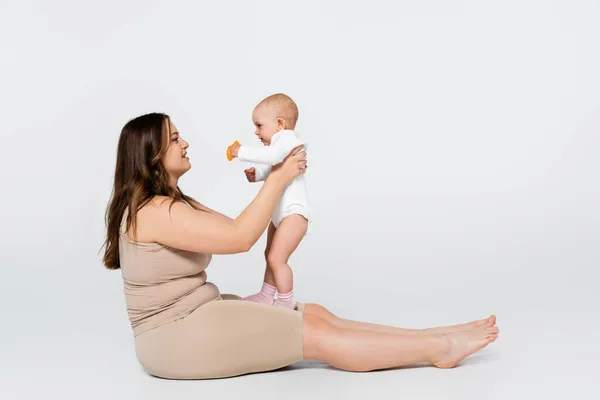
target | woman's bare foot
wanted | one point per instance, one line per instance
(486, 322)
(462, 344)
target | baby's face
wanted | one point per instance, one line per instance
(266, 123)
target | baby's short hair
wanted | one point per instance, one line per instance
(285, 106)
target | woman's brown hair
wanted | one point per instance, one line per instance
(139, 176)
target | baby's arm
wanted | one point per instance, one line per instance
(262, 171)
(268, 155)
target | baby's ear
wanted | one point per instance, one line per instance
(281, 123)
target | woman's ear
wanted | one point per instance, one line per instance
(281, 124)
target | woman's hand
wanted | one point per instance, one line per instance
(293, 165)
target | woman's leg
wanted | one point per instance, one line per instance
(327, 315)
(363, 350)
(223, 338)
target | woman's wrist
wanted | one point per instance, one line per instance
(276, 178)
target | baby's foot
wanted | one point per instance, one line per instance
(286, 300)
(486, 322)
(259, 298)
(285, 304)
(462, 344)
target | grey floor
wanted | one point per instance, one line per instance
(546, 348)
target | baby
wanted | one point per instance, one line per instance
(275, 119)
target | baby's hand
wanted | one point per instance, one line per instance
(251, 174)
(232, 151)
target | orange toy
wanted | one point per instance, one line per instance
(229, 156)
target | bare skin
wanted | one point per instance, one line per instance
(286, 239)
(327, 315)
(462, 344)
(364, 350)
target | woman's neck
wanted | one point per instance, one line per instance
(173, 182)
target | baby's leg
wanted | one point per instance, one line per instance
(267, 293)
(287, 237)
(269, 277)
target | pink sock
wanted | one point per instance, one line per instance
(286, 300)
(265, 296)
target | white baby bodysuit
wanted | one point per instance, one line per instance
(294, 199)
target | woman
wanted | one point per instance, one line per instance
(184, 328)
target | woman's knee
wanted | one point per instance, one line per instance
(319, 310)
(315, 333)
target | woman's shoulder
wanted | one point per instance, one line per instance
(162, 202)
(154, 213)
(160, 207)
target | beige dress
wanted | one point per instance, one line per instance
(185, 329)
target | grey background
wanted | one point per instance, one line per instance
(454, 173)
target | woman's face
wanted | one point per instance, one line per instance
(176, 161)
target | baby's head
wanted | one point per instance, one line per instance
(273, 114)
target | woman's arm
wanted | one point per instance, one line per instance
(211, 211)
(184, 228)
